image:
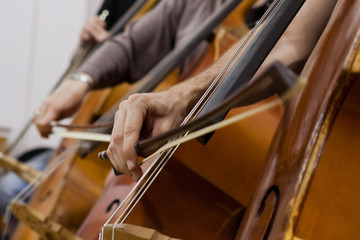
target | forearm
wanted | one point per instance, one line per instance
(294, 46)
(300, 38)
(194, 87)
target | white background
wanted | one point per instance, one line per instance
(37, 38)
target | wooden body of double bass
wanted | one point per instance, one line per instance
(309, 188)
(68, 194)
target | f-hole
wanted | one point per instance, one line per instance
(115, 202)
(268, 209)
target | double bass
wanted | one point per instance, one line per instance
(273, 211)
(116, 189)
(49, 191)
(151, 203)
(308, 189)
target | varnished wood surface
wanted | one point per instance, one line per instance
(3, 144)
(302, 134)
(68, 194)
(234, 157)
(331, 209)
(175, 205)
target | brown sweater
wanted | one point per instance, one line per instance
(130, 55)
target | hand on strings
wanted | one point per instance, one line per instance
(94, 30)
(62, 103)
(142, 116)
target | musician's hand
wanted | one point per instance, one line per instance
(94, 30)
(62, 103)
(142, 116)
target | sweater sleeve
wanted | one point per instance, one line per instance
(130, 55)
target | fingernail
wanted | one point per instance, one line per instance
(135, 176)
(130, 164)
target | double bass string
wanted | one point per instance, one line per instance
(26, 192)
(141, 187)
(22, 195)
(203, 131)
(196, 109)
(222, 73)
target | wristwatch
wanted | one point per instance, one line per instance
(82, 77)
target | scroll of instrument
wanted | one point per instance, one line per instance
(309, 188)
